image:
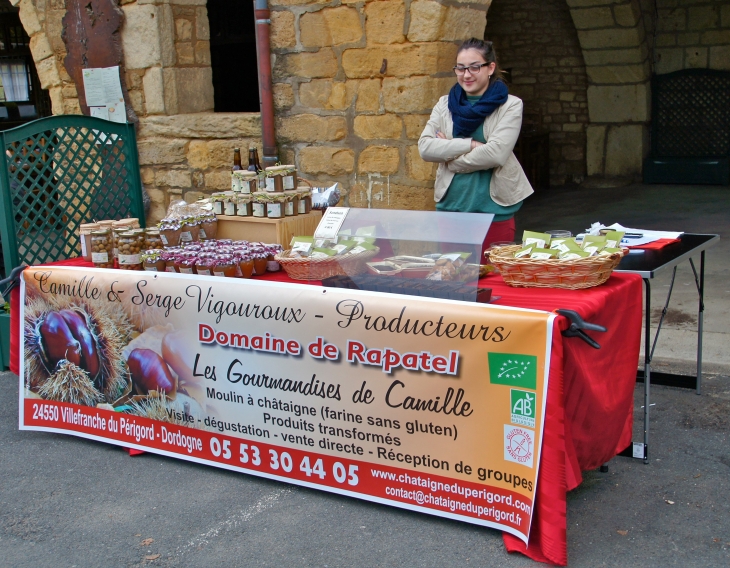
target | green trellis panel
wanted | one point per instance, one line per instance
(58, 173)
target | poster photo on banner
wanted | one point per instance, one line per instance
(435, 406)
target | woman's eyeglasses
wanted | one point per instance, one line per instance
(473, 69)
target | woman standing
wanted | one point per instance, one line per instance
(471, 134)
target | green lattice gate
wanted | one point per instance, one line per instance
(58, 173)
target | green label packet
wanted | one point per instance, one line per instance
(513, 370)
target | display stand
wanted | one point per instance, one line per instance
(267, 230)
(431, 254)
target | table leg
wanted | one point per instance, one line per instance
(647, 367)
(700, 322)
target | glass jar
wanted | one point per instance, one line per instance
(225, 266)
(152, 260)
(248, 182)
(132, 222)
(170, 230)
(275, 207)
(187, 265)
(291, 207)
(260, 262)
(130, 247)
(102, 249)
(205, 266)
(305, 200)
(243, 207)
(190, 230)
(245, 263)
(217, 200)
(258, 207)
(119, 227)
(208, 227)
(168, 258)
(280, 178)
(85, 230)
(272, 265)
(229, 207)
(152, 239)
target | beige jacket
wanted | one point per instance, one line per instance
(509, 184)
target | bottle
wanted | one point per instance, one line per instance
(252, 160)
(256, 158)
(236, 160)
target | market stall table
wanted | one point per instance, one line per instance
(589, 410)
(647, 264)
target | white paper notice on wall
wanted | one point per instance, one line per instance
(331, 222)
(104, 89)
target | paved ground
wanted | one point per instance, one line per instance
(70, 502)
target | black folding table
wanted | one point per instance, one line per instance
(647, 265)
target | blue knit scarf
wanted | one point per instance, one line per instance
(468, 117)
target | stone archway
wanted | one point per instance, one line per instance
(615, 40)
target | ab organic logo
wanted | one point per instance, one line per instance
(522, 407)
(513, 370)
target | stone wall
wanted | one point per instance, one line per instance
(355, 82)
(692, 34)
(185, 149)
(537, 41)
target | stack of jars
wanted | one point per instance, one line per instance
(175, 232)
(224, 257)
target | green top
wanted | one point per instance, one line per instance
(469, 193)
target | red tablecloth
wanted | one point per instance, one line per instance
(590, 394)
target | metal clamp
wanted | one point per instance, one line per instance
(577, 325)
(11, 282)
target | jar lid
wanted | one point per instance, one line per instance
(133, 220)
(89, 227)
(101, 232)
(152, 231)
(121, 224)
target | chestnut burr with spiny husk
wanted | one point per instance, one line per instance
(70, 340)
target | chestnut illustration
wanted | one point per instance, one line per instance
(150, 373)
(90, 356)
(58, 341)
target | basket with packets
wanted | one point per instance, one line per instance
(542, 262)
(316, 259)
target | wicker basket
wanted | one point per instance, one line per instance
(320, 268)
(552, 273)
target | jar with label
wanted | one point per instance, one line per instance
(130, 247)
(204, 266)
(187, 265)
(170, 230)
(258, 206)
(152, 260)
(225, 266)
(229, 206)
(190, 230)
(305, 200)
(208, 226)
(291, 207)
(245, 263)
(102, 249)
(283, 177)
(272, 265)
(119, 227)
(247, 182)
(85, 230)
(243, 206)
(152, 239)
(275, 206)
(217, 200)
(168, 257)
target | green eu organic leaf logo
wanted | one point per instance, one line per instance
(512, 369)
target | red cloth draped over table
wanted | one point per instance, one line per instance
(590, 394)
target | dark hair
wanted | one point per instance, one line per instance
(486, 50)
